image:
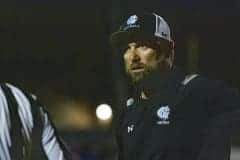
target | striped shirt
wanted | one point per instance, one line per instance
(27, 133)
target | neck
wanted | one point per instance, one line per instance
(147, 93)
(144, 96)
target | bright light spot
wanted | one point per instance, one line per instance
(104, 112)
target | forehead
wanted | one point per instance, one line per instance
(145, 42)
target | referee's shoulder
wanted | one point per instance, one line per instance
(23, 98)
(19, 92)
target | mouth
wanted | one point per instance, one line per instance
(137, 68)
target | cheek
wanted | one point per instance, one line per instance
(126, 56)
(126, 60)
(150, 58)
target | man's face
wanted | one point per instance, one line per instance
(143, 58)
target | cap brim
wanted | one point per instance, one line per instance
(121, 38)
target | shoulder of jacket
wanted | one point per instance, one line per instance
(189, 78)
(201, 84)
(197, 80)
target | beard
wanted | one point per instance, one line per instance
(150, 75)
(137, 77)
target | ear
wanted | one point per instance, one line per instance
(171, 57)
(172, 45)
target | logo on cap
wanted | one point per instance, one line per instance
(164, 34)
(132, 19)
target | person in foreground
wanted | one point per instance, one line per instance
(169, 115)
(26, 131)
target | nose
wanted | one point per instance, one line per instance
(134, 55)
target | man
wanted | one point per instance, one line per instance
(170, 115)
(26, 132)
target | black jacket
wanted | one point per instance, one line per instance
(186, 121)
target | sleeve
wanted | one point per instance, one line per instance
(52, 143)
(5, 138)
(38, 127)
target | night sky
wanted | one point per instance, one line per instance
(61, 47)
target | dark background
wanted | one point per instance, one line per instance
(59, 51)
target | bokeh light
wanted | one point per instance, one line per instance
(104, 112)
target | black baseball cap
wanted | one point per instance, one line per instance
(148, 25)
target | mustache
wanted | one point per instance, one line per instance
(136, 65)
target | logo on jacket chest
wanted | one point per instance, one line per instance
(130, 128)
(163, 114)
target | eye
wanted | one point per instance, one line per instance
(142, 45)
